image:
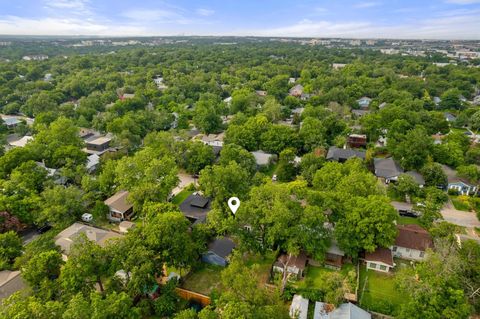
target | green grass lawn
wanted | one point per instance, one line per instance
(402, 220)
(459, 204)
(204, 280)
(264, 264)
(177, 200)
(380, 293)
(315, 276)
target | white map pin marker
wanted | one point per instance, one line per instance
(233, 203)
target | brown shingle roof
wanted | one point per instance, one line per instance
(413, 237)
(299, 261)
(383, 255)
(119, 202)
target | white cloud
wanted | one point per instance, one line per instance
(205, 12)
(53, 26)
(465, 26)
(462, 1)
(70, 6)
(152, 15)
(367, 4)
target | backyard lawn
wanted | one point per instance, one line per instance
(379, 292)
(264, 264)
(204, 280)
(177, 200)
(315, 276)
(460, 202)
(402, 220)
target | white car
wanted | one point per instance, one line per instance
(87, 217)
(274, 178)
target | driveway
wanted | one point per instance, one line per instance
(458, 217)
(185, 180)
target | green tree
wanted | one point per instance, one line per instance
(434, 175)
(197, 156)
(237, 154)
(10, 248)
(223, 182)
(372, 215)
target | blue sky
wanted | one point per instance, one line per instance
(428, 19)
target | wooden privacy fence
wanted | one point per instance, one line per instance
(193, 296)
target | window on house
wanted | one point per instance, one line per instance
(382, 267)
(422, 254)
(373, 265)
(394, 248)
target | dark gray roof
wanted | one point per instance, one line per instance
(387, 167)
(450, 117)
(417, 177)
(452, 176)
(340, 154)
(221, 247)
(195, 206)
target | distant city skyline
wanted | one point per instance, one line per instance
(408, 19)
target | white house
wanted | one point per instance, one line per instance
(119, 207)
(411, 243)
(364, 102)
(380, 260)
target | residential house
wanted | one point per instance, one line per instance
(357, 140)
(299, 307)
(387, 169)
(159, 82)
(417, 177)
(380, 260)
(344, 311)
(382, 105)
(93, 161)
(127, 96)
(15, 141)
(364, 102)
(437, 100)
(48, 77)
(334, 256)
(349, 311)
(213, 139)
(305, 96)
(219, 251)
(11, 122)
(53, 173)
(228, 100)
(67, 237)
(412, 242)
(381, 142)
(342, 155)
(296, 91)
(98, 144)
(295, 266)
(297, 111)
(10, 283)
(87, 133)
(338, 66)
(261, 93)
(119, 207)
(125, 226)
(36, 57)
(360, 113)
(476, 100)
(462, 185)
(196, 207)
(263, 159)
(449, 117)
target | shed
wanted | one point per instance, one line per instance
(219, 251)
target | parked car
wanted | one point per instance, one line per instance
(44, 228)
(87, 217)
